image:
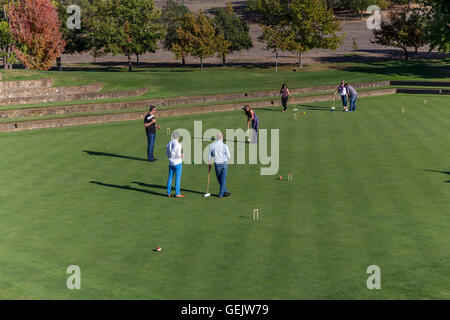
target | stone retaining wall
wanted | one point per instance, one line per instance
(72, 97)
(421, 83)
(32, 112)
(96, 119)
(423, 91)
(26, 84)
(38, 92)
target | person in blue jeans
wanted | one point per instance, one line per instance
(175, 155)
(342, 91)
(353, 95)
(150, 128)
(221, 154)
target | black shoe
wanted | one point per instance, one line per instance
(153, 160)
(226, 194)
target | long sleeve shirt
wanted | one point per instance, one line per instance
(220, 152)
(173, 151)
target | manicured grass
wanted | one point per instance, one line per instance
(370, 188)
(172, 82)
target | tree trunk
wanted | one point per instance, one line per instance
(406, 54)
(224, 60)
(5, 65)
(415, 49)
(300, 59)
(130, 64)
(183, 60)
(137, 58)
(58, 64)
(201, 64)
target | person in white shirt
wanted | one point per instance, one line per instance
(175, 155)
(342, 91)
(221, 154)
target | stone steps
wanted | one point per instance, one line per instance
(26, 84)
(72, 97)
(127, 116)
(48, 91)
(95, 107)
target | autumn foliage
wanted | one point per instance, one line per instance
(36, 27)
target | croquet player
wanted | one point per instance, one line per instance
(352, 94)
(284, 93)
(221, 154)
(175, 155)
(253, 119)
(150, 128)
(342, 91)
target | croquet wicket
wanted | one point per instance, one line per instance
(255, 214)
(290, 176)
(168, 131)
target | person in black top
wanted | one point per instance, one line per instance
(150, 127)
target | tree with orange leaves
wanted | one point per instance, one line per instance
(35, 26)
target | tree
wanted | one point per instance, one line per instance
(359, 5)
(297, 25)
(6, 45)
(127, 27)
(234, 30)
(196, 37)
(402, 31)
(171, 17)
(76, 37)
(438, 24)
(36, 27)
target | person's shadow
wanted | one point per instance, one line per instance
(445, 172)
(127, 187)
(106, 154)
(156, 186)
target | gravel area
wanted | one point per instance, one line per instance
(353, 28)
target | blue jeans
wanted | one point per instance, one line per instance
(177, 171)
(221, 173)
(344, 101)
(151, 137)
(353, 102)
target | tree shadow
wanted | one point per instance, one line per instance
(106, 154)
(445, 172)
(412, 69)
(126, 187)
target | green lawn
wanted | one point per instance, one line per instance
(370, 188)
(172, 82)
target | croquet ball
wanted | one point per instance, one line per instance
(158, 249)
(281, 178)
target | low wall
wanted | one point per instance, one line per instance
(41, 83)
(33, 112)
(421, 83)
(423, 91)
(73, 97)
(39, 92)
(96, 119)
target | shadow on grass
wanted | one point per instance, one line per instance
(445, 172)
(315, 108)
(126, 187)
(114, 155)
(157, 186)
(414, 69)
